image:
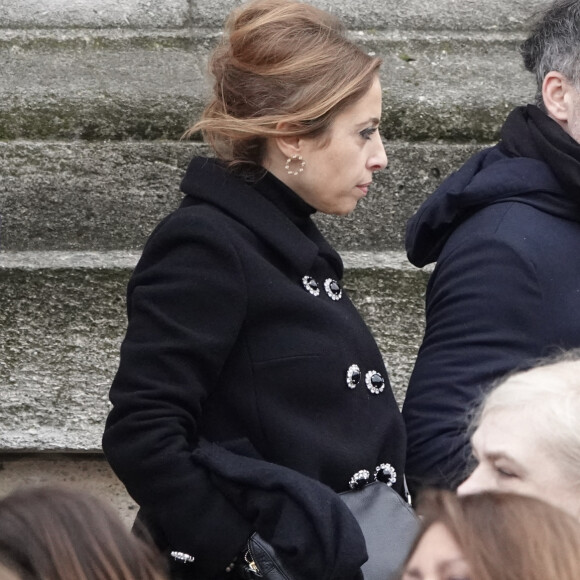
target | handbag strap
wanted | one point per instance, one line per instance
(407, 492)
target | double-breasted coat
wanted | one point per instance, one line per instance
(240, 330)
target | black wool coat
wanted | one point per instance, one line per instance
(240, 338)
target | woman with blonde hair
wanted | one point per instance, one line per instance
(493, 536)
(526, 434)
(56, 533)
(250, 391)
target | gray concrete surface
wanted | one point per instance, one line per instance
(62, 319)
(388, 14)
(93, 14)
(456, 88)
(434, 15)
(60, 331)
(98, 93)
(108, 196)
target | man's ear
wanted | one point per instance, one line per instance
(556, 94)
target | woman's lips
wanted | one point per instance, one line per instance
(364, 187)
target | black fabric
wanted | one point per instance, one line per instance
(313, 531)
(388, 523)
(288, 202)
(225, 344)
(489, 177)
(505, 232)
(529, 132)
(297, 210)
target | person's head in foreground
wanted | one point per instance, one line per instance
(55, 533)
(527, 435)
(493, 536)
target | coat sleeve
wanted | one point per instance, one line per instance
(483, 318)
(186, 304)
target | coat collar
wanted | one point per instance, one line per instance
(489, 177)
(207, 180)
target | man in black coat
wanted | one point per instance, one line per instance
(505, 233)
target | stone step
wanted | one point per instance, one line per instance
(93, 196)
(116, 85)
(94, 14)
(94, 95)
(489, 15)
(62, 318)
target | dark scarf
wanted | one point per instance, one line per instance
(529, 132)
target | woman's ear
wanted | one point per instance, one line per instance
(556, 94)
(289, 145)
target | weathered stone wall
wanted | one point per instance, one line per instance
(94, 96)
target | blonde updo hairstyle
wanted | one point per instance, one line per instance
(548, 394)
(280, 61)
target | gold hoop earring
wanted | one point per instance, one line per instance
(299, 168)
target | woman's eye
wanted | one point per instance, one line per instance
(368, 133)
(503, 472)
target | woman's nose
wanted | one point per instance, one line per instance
(473, 484)
(379, 159)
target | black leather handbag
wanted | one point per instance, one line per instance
(388, 523)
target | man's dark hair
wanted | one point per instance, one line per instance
(554, 44)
